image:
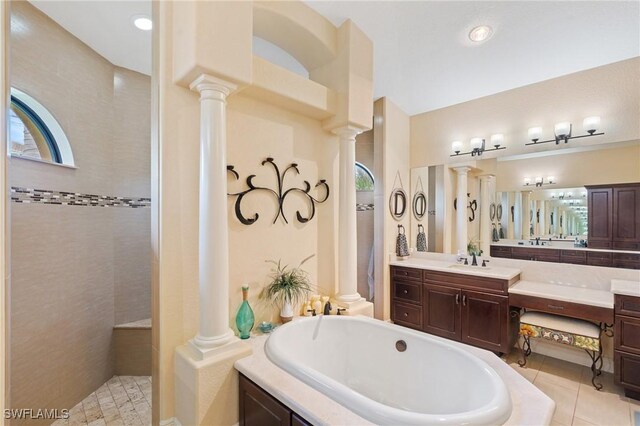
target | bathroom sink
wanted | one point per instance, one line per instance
(470, 268)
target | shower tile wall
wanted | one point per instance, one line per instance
(76, 270)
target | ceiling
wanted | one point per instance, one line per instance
(423, 59)
(106, 27)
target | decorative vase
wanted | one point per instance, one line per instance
(244, 317)
(286, 313)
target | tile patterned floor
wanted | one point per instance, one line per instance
(122, 401)
(577, 402)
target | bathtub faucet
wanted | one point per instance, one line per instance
(340, 310)
(313, 312)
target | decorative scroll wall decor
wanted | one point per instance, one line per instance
(280, 193)
(473, 206)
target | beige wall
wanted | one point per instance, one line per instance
(76, 270)
(396, 169)
(610, 91)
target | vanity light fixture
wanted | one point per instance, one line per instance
(477, 146)
(539, 182)
(563, 131)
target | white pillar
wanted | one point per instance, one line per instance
(526, 215)
(511, 201)
(213, 253)
(542, 226)
(461, 212)
(347, 226)
(486, 198)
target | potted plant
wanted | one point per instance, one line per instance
(288, 287)
(473, 247)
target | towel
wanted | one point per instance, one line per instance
(370, 275)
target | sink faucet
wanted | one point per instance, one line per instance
(474, 261)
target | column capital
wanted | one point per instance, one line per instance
(346, 132)
(463, 170)
(206, 82)
(487, 178)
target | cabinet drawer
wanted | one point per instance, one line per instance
(599, 244)
(405, 314)
(539, 254)
(407, 273)
(498, 251)
(627, 334)
(626, 260)
(407, 291)
(626, 245)
(598, 258)
(627, 370)
(627, 305)
(573, 256)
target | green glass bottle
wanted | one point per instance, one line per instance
(244, 317)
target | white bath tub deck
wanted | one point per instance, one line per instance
(528, 405)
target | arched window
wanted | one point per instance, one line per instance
(364, 178)
(34, 132)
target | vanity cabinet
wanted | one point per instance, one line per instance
(259, 408)
(614, 216)
(465, 308)
(577, 257)
(627, 344)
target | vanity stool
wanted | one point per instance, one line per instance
(560, 329)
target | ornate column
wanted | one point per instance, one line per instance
(347, 226)
(213, 253)
(461, 211)
(486, 198)
(517, 215)
(542, 230)
(511, 202)
(526, 215)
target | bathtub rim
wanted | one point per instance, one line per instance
(362, 405)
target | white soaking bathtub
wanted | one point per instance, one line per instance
(354, 361)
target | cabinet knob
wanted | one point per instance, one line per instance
(405, 292)
(406, 314)
(464, 300)
(458, 299)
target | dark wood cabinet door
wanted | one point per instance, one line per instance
(442, 311)
(626, 217)
(627, 334)
(627, 370)
(600, 216)
(258, 408)
(485, 320)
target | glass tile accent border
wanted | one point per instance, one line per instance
(46, 196)
(363, 207)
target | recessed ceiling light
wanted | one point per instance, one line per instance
(481, 33)
(142, 22)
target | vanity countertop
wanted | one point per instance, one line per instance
(562, 247)
(565, 293)
(501, 273)
(627, 288)
(530, 405)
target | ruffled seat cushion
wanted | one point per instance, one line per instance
(569, 331)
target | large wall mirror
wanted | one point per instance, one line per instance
(554, 210)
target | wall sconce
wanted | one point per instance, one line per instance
(563, 131)
(539, 182)
(477, 146)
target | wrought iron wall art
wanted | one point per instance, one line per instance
(473, 206)
(419, 204)
(492, 211)
(513, 210)
(499, 212)
(280, 193)
(398, 199)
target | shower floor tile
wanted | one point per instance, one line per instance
(122, 401)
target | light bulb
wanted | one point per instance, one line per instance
(481, 33)
(497, 140)
(142, 22)
(535, 133)
(562, 129)
(539, 180)
(551, 179)
(591, 124)
(476, 143)
(527, 181)
(456, 147)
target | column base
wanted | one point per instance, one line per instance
(209, 347)
(206, 387)
(358, 307)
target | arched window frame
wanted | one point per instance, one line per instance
(47, 124)
(367, 172)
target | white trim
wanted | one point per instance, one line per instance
(4, 220)
(37, 160)
(172, 421)
(66, 155)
